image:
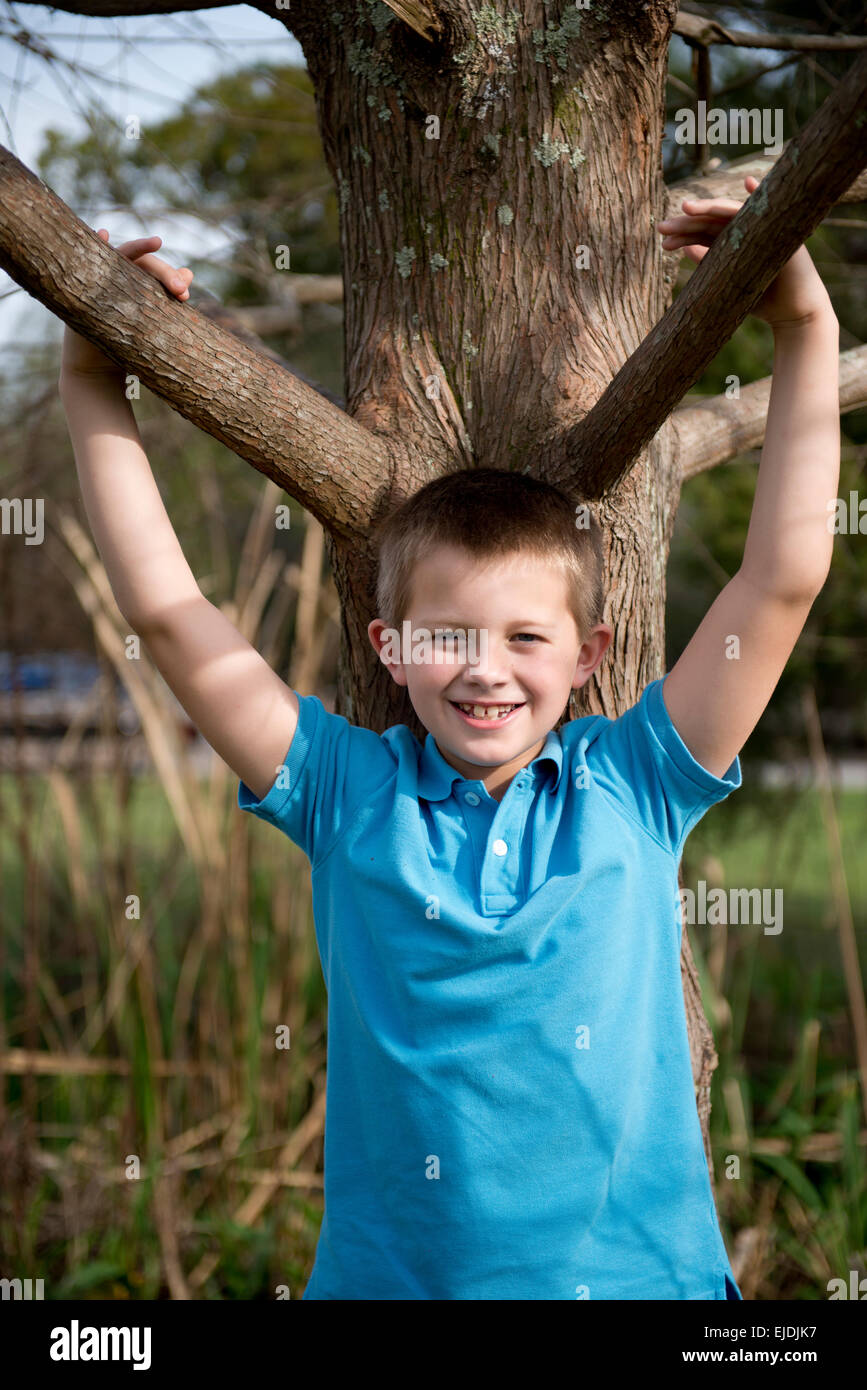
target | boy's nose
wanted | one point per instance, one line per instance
(491, 669)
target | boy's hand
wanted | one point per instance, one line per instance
(81, 358)
(797, 295)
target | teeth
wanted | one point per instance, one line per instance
(486, 711)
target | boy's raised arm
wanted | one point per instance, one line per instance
(243, 709)
(717, 690)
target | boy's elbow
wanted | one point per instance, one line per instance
(804, 590)
(796, 590)
(167, 618)
(144, 625)
(812, 582)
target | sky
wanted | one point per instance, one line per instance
(145, 65)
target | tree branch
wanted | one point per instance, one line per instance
(808, 179)
(243, 323)
(729, 183)
(712, 431)
(702, 33)
(335, 468)
(420, 15)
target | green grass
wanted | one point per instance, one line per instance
(779, 1008)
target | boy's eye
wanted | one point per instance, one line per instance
(526, 637)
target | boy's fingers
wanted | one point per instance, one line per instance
(711, 207)
(674, 243)
(140, 246)
(692, 249)
(165, 273)
(180, 279)
(681, 226)
(708, 219)
(708, 214)
(175, 280)
(140, 250)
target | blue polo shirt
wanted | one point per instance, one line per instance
(510, 1111)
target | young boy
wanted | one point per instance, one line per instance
(510, 1104)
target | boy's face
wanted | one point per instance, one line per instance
(518, 609)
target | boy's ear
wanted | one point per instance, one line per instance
(385, 641)
(593, 648)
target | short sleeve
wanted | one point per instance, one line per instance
(642, 762)
(330, 769)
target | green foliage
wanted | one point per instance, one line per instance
(244, 150)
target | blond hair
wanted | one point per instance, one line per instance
(491, 513)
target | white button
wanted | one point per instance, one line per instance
(500, 848)
(471, 798)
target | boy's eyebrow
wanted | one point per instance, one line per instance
(462, 623)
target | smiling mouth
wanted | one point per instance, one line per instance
(488, 714)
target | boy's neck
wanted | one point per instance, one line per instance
(496, 780)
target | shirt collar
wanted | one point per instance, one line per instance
(436, 777)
